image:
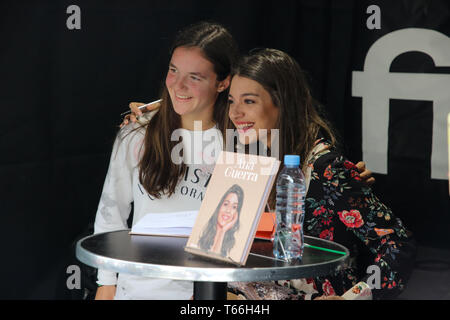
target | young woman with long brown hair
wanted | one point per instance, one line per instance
(269, 91)
(143, 169)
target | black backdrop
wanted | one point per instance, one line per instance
(61, 93)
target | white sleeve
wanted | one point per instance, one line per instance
(117, 195)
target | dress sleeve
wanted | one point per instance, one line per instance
(363, 220)
(116, 198)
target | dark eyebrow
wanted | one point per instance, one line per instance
(198, 74)
(245, 95)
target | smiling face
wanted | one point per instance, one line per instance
(251, 109)
(192, 85)
(228, 209)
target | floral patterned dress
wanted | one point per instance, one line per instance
(342, 208)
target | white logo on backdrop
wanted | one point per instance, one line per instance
(376, 85)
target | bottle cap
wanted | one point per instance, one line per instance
(291, 160)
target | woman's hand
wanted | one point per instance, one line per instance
(230, 224)
(136, 112)
(105, 293)
(364, 174)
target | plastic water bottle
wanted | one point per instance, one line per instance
(290, 210)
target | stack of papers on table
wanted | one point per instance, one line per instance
(174, 224)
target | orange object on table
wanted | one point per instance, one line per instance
(266, 227)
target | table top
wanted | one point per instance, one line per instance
(164, 257)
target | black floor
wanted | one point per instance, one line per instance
(430, 279)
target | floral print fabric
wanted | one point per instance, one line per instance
(342, 208)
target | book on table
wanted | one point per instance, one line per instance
(179, 224)
(230, 212)
(174, 224)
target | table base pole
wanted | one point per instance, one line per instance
(210, 290)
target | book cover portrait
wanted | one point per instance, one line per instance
(219, 234)
(228, 218)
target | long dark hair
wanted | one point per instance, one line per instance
(209, 233)
(157, 172)
(299, 121)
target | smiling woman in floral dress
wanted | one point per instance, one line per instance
(269, 91)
